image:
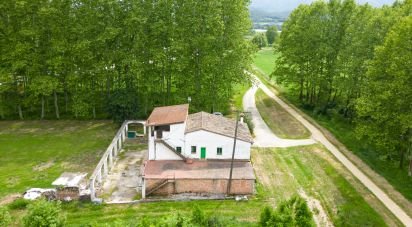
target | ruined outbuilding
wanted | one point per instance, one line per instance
(71, 186)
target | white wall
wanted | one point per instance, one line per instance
(211, 142)
(164, 153)
(175, 138)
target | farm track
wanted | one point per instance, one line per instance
(265, 138)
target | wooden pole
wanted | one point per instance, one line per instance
(233, 156)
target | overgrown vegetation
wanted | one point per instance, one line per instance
(293, 212)
(360, 70)
(5, 218)
(98, 59)
(284, 172)
(44, 213)
(278, 119)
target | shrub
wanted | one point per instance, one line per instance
(250, 125)
(18, 204)
(265, 216)
(293, 212)
(198, 217)
(5, 218)
(44, 213)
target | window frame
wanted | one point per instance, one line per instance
(193, 151)
(179, 150)
(219, 149)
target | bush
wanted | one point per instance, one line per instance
(265, 216)
(5, 218)
(293, 212)
(18, 204)
(198, 217)
(44, 213)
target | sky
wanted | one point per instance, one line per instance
(289, 5)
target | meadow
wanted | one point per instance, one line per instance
(281, 173)
(35, 153)
(341, 132)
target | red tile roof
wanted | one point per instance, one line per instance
(166, 115)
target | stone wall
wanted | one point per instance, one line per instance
(207, 186)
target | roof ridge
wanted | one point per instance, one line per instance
(201, 119)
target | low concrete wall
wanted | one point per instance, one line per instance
(210, 186)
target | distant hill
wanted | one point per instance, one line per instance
(266, 13)
(289, 5)
(262, 19)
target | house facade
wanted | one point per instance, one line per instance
(186, 151)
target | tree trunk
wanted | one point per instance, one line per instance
(20, 112)
(402, 157)
(410, 167)
(56, 106)
(42, 108)
(94, 112)
(1, 111)
(66, 101)
(301, 90)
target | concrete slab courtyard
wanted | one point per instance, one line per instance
(122, 182)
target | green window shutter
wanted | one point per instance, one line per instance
(179, 149)
(219, 151)
(193, 149)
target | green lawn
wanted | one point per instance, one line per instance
(278, 119)
(264, 60)
(35, 153)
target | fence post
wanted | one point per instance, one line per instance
(110, 158)
(105, 169)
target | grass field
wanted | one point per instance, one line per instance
(344, 132)
(35, 153)
(264, 60)
(278, 119)
(281, 173)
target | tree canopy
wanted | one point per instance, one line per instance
(272, 34)
(259, 40)
(338, 57)
(119, 59)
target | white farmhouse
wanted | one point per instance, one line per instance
(191, 153)
(176, 135)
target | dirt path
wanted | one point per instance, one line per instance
(264, 137)
(318, 136)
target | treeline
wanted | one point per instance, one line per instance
(261, 40)
(353, 60)
(119, 59)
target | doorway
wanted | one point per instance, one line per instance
(203, 153)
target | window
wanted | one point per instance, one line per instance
(193, 149)
(165, 128)
(179, 149)
(219, 151)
